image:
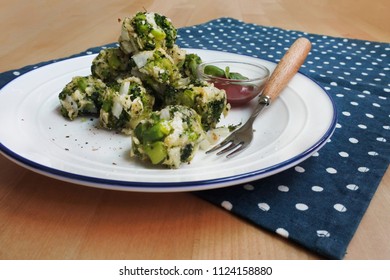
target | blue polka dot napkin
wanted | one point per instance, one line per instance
(319, 203)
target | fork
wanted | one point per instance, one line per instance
(288, 66)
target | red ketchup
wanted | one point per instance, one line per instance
(237, 94)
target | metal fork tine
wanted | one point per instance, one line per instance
(238, 150)
(228, 148)
(220, 145)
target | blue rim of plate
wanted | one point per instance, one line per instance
(175, 186)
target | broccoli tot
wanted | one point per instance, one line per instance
(110, 64)
(157, 69)
(81, 96)
(168, 137)
(124, 105)
(146, 31)
(207, 100)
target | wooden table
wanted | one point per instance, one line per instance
(42, 218)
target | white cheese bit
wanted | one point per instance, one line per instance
(136, 107)
(182, 82)
(176, 138)
(103, 117)
(70, 105)
(174, 157)
(213, 136)
(124, 88)
(164, 114)
(125, 32)
(151, 21)
(135, 140)
(140, 59)
(77, 95)
(116, 108)
(156, 71)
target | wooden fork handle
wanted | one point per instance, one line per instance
(287, 68)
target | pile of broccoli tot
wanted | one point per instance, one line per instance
(148, 88)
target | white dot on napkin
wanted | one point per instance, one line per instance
(323, 233)
(362, 126)
(227, 205)
(352, 187)
(301, 206)
(282, 232)
(299, 169)
(347, 114)
(381, 139)
(283, 188)
(249, 187)
(317, 189)
(264, 206)
(363, 169)
(331, 170)
(344, 154)
(339, 207)
(353, 140)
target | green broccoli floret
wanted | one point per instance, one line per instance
(170, 96)
(189, 66)
(146, 31)
(168, 137)
(124, 105)
(207, 100)
(81, 96)
(169, 30)
(110, 64)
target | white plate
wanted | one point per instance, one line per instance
(35, 135)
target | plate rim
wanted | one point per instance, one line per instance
(172, 186)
